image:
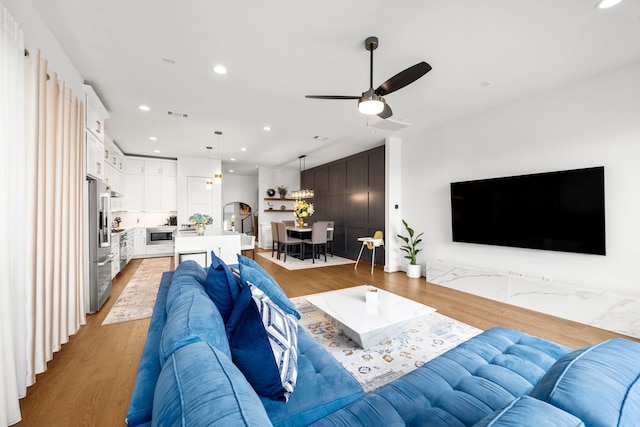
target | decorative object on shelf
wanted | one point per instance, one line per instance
(270, 206)
(306, 193)
(271, 192)
(282, 190)
(200, 220)
(411, 248)
(302, 210)
(283, 207)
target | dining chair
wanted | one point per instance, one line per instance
(318, 240)
(286, 240)
(275, 241)
(248, 243)
(330, 237)
(371, 243)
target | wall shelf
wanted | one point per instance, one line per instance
(279, 210)
(278, 198)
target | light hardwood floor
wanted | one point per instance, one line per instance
(89, 381)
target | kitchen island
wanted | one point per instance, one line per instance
(189, 245)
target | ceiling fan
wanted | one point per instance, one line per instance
(372, 101)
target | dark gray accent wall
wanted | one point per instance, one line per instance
(351, 193)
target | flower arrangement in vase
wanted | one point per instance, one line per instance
(302, 210)
(200, 220)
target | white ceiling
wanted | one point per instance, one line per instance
(276, 52)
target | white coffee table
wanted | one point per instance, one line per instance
(365, 320)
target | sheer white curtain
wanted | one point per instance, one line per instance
(54, 225)
(41, 187)
(12, 279)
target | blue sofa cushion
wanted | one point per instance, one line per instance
(263, 340)
(221, 286)
(266, 283)
(200, 386)
(371, 410)
(190, 268)
(472, 380)
(527, 411)
(323, 387)
(193, 317)
(599, 384)
(182, 285)
(141, 403)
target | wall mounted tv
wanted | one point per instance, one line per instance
(555, 211)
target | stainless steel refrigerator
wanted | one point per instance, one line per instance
(99, 240)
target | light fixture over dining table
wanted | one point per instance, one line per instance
(305, 193)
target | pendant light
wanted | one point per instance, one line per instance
(306, 193)
(209, 181)
(217, 178)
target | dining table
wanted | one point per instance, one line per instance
(301, 232)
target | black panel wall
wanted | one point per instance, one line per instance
(350, 192)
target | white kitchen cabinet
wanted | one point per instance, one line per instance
(166, 250)
(95, 113)
(134, 192)
(160, 168)
(160, 193)
(140, 243)
(115, 251)
(134, 166)
(94, 156)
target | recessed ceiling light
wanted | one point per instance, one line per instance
(233, 159)
(219, 69)
(156, 151)
(267, 128)
(153, 138)
(605, 4)
(243, 149)
(230, 170)
(169, 60)
(144, 107)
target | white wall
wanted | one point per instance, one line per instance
(240, 188)
(588, 123)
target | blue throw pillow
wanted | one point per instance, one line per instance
(264, 343)
(267, 284)
(221, 286)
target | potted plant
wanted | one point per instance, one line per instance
(414, 270)
(282, 190)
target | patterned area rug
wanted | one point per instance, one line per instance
(137, 299)
(392, 358)
(297, 264)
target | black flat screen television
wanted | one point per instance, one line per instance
(555, 211)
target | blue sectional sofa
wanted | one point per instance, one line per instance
(187, 374)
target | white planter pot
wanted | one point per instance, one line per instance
(414, 271)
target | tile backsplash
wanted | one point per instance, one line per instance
(142, 219)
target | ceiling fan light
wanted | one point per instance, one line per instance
(370, 103)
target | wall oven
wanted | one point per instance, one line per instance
(160, 235)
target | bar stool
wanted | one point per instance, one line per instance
(372, 243)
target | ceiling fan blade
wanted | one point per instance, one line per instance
(331, 97)
(386, 113)
(403, 78)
